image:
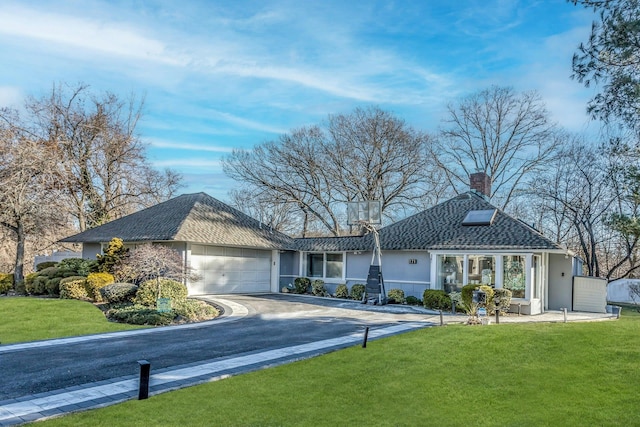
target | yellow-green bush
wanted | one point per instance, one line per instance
(357, 291)
(342, 291)
(6, 282)
(95, 281)
(397, 295)
(148, 292)
(73, 288)
(28, 282)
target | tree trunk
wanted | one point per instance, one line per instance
(18, 270)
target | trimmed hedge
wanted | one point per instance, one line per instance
(436, 299)
(76, 266)
(301, 285)
(357, 291)
(73, 288)
(194, 310)
(397, 295)
(139, 315)
(317, 288)
(118, 292)
(342, 291)
(6, 282)
(467, 296)
(45, 264)
(49, 272)
(147, 293)
(411, 300)
(96, 281)
(52, 286)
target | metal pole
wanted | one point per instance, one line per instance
(145, 369)
(564, 312)
(441, 319)
(497, 316)
(366, 335)
(453, 307)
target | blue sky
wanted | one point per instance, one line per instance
(223, 74)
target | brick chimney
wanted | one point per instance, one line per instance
(480, 182)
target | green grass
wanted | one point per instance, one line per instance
(573, 374)
(29, 319)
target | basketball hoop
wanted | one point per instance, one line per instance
(367, 215)
(369, 211)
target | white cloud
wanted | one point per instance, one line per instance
(84, 33)
(188, 163)
(189, 146)
(10, 96)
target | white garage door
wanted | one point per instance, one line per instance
(230, 270)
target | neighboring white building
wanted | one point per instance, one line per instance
(619, 291)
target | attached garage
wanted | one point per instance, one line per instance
(232, 252)
(226, 270)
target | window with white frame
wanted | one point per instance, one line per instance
(513, 275)
(324, 265)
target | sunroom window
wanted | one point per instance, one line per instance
(513, 275)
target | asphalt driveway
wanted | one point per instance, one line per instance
(272, 321)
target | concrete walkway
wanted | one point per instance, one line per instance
(108, 392)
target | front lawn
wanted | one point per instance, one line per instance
(29, 319)
(523, 374)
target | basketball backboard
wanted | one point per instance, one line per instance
(369, 212)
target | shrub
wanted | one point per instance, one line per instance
(6, 282)
(397, 295)
(457, 298)
(45, 264)
(467, 296)
(342, 291)
(53, 286)
(49, 272)
(147, 293)
(139, 315)
(193, 310)
(76, 266)
(504, 300)
(73, 288)
(436, 299)
(302, 285)
(39, 285)
(490, 303)
(113, 254)
(95, 281)
(357, 291)
(318, 289)
(411, 300)
(118, 292)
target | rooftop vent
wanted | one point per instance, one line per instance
(481, 217)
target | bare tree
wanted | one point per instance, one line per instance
(505, 134)
(267, 208)
(102, 165)
(368, 154)
(29, 201)
(576, 198)
(153, 261)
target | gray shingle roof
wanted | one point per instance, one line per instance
(197, 218)
(440, 228)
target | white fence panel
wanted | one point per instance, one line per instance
(589, 294)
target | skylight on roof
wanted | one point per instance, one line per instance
(481, 217)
